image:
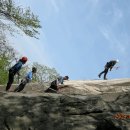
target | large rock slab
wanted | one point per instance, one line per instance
(99, 108)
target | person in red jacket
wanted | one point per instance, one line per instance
(14, 70)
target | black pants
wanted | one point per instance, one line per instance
(105, 72)
(21, 86)
(53, 88)
(10, 80)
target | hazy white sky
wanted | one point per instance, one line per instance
(79, 36)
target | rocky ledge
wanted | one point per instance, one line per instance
(80, 105)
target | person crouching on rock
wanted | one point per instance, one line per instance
(109, 65)
(15, 70)
(27, 79)
(55, 84)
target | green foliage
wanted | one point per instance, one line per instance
(3, 70)
(7, 56)
(22, 18)
(44, 73)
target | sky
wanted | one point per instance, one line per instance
(78, 37)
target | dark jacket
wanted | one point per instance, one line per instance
(15, 69)
(110, 64)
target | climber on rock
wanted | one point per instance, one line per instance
(109, 65)
(15, 70)
(55, 84)
(27, 79)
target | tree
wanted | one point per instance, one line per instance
(6, 51)
(7, 56)
(22, 18)
(3, 71)
(44, 73)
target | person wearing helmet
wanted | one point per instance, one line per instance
(15, 70)
(55, 84)
(27, 79)
(109, 65)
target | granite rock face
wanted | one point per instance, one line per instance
(95, 107)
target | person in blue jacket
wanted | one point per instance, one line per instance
(15, 70)
(27, 79)
(55, 84)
